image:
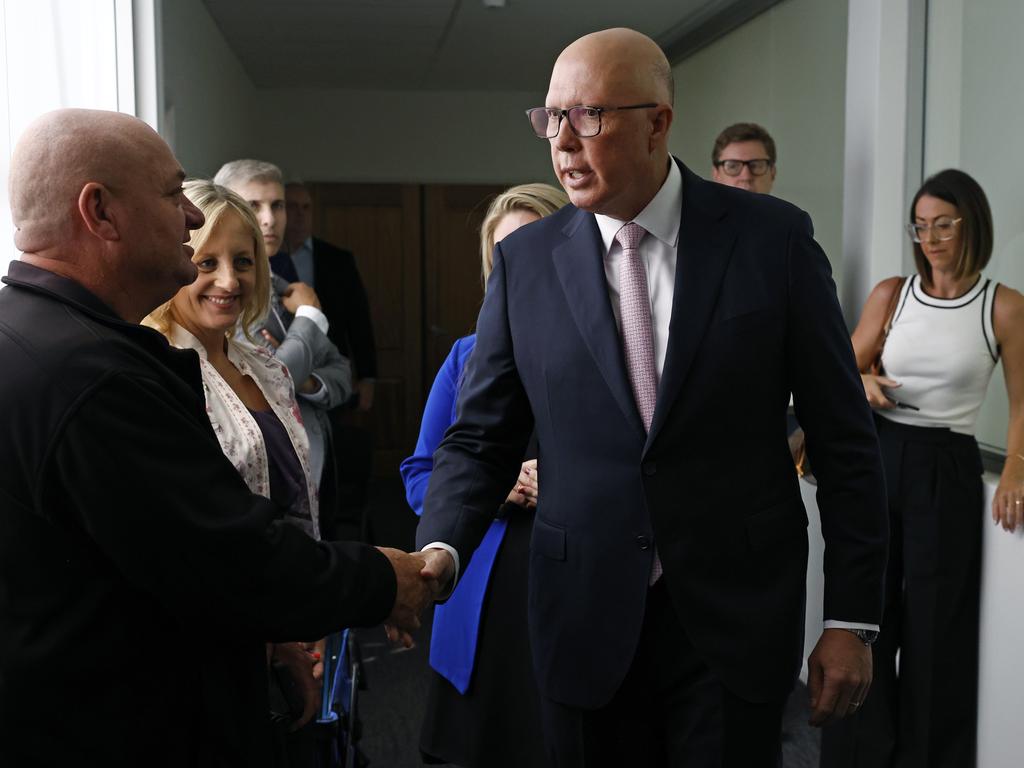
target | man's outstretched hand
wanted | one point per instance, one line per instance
(838, 676)
(421, 578)
(439, 567)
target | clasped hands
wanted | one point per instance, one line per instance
(422, 577)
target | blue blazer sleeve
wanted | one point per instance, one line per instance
(438, 415)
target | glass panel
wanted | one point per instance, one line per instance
(972, 120)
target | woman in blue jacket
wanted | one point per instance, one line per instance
(483, 709)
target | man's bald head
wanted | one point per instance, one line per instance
(61, 152)
(625, 58)
(97, 197)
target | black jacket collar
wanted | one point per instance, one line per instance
(73, 294)
(62, 288)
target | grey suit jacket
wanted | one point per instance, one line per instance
(307, 351)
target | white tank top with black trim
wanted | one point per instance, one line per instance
(943, 352)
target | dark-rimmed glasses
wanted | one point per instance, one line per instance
(944, 229)
(584, 120)
(758, 166)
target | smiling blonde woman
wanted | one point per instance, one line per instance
(250, 397)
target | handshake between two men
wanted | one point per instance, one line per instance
(422, 577)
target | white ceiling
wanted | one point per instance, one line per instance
(430, 44)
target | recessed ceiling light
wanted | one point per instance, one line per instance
(494, 3)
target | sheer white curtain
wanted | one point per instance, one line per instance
(59, 53)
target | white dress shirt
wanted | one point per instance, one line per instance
(657, 251)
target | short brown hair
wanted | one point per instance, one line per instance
(961, 190)
(743, 132)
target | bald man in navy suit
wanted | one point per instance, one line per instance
(651, 333)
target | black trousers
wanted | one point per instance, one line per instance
(496, 724)
(670, 711)
(923, 712)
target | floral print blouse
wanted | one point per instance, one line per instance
(236, 429)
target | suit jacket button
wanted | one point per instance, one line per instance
(643, 542)
(650, 468)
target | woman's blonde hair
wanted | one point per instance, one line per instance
(539, 199)
(215, 202)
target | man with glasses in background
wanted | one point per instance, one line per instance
(744, 157)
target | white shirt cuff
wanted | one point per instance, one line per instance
(314, 314)
(455, 556)
(850, 625)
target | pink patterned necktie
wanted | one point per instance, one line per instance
(638, 333)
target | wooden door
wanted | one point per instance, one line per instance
(452, 286)
(381, 224)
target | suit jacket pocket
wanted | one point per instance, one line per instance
(775, 524)
(748, 318)
(548, 540)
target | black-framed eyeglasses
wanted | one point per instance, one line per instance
(758, 166)
(584, 120)
(944, 229)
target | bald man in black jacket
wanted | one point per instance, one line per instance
(139, 578)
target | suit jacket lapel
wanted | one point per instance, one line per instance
(705, 247)
(579, 263)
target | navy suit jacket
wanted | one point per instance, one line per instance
(754, 317)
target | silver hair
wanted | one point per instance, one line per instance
(238, 172)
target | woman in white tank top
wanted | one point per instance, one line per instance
(938, 335)
(943, 367)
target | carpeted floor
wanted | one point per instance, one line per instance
(391, 708)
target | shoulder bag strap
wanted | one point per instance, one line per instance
(876, 365)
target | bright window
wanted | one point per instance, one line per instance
(59, 53)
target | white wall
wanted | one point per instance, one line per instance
(884, 98)
(403, 136)
(1001, 673)
(209, 112)
(785, 69)
(214, 113)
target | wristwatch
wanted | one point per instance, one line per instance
(867, 636)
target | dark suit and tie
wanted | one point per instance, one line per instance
(333, 274)
(693, 670)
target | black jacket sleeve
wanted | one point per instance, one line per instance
(171, 513)
(841, 441)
